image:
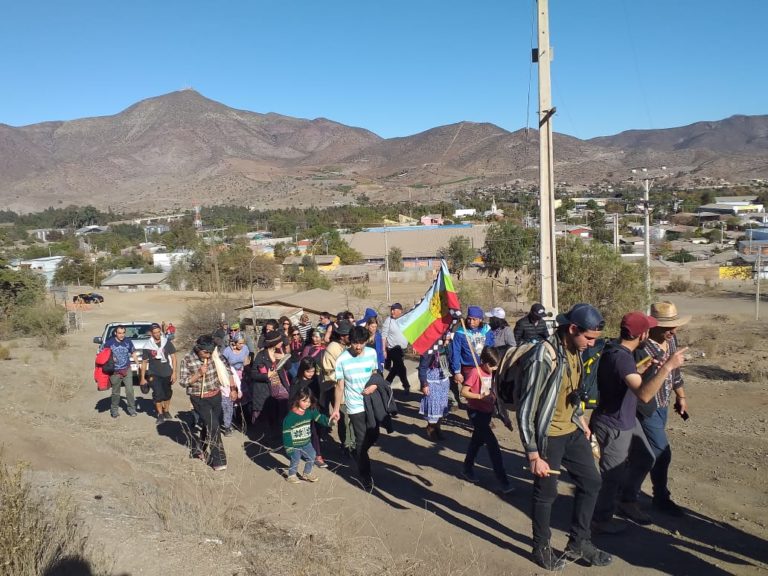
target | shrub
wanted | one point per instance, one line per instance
(5, 353)
(38, 536)
(203, 317)
(677, 284)
(45, 321)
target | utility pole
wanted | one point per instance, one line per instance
(616, 231)
(759, 265)
(386, 264)
(646, 179)
(547, 257)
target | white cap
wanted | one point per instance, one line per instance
(497, 312)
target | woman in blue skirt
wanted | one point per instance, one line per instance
(435, 387)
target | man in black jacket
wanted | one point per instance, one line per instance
(532, 327)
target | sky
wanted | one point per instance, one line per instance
(395, 67)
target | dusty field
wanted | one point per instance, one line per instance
(149, 506)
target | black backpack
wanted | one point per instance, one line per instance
(591, 360)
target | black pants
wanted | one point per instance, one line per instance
(364, 438)
(398, 370)
(573, 452)
(209, 412)
(483, 435)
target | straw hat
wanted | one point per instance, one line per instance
(666, 314)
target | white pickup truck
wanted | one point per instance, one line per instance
(138, 332)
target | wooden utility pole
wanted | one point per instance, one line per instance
(759, 266)
(547, 256)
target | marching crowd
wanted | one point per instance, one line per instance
(300, 380)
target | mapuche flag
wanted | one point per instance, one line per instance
(431, 318)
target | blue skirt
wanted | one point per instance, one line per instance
(435, 406)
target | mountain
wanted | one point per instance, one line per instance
(168, 152)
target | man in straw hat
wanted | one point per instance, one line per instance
(662, 345)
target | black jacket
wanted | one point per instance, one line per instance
(527, 331)
(380, 405)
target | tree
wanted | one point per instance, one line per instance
(341, 248)
(281, 251)
(19, 288)
(566, 204)
(458, 254)
(78, 270)
(507, 247)
(592, 272)
(395, 258)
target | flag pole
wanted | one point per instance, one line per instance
(471, 347)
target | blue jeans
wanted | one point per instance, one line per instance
(655, 430)
(306, 453)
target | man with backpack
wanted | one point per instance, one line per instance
(615, 423)
(554, 434)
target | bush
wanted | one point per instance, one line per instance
(38, 536)
(45, 321)
(5, 353)
(677, 284)
(203, 317)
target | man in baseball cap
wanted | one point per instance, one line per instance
(532, 327)
(616, 425)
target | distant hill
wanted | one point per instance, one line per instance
(167, 152)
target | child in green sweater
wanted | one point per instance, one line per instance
(297, 435)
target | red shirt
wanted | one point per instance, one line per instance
(472, 378)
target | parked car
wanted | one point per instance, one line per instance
(137, 331)
(88, 298)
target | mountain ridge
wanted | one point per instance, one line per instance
(169, 151)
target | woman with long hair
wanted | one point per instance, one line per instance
(269, 382)
(435, 387)
(375, 340)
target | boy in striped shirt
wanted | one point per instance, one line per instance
(353, 371)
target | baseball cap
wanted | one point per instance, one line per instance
(538, 310)
(396, 306)
(475, 312)
(585, 316)
(635, 323)
(497, 312)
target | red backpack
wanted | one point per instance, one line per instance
(103, 359)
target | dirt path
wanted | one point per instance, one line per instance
(137, 488)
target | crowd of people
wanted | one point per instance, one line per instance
(300, 380)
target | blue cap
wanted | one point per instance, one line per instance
(585, 316)
(475, 312)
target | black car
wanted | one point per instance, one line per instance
(88, 298)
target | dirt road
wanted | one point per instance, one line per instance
(140, 493)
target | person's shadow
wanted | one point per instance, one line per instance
(72, 566)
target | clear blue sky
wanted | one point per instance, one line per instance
(396, 67)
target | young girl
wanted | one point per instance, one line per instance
(297, 434)
(308, 379)
(480, 394)
(435, 386)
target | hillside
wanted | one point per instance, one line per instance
(167, 152)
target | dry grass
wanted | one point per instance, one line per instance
(37, 536)
(205, 507)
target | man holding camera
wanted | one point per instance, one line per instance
(615, 423)
(661, 345)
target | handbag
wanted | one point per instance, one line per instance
(276, 388)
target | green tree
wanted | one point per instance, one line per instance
(341, 248)
(281, 251)
(566, 204)
(459, 254)
(507, 247)
(395, 259)
(78, 270)
(19, 288)
(593, 273)
(310, 279)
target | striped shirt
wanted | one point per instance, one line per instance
(356, 371)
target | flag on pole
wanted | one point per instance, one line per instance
(431, 318)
